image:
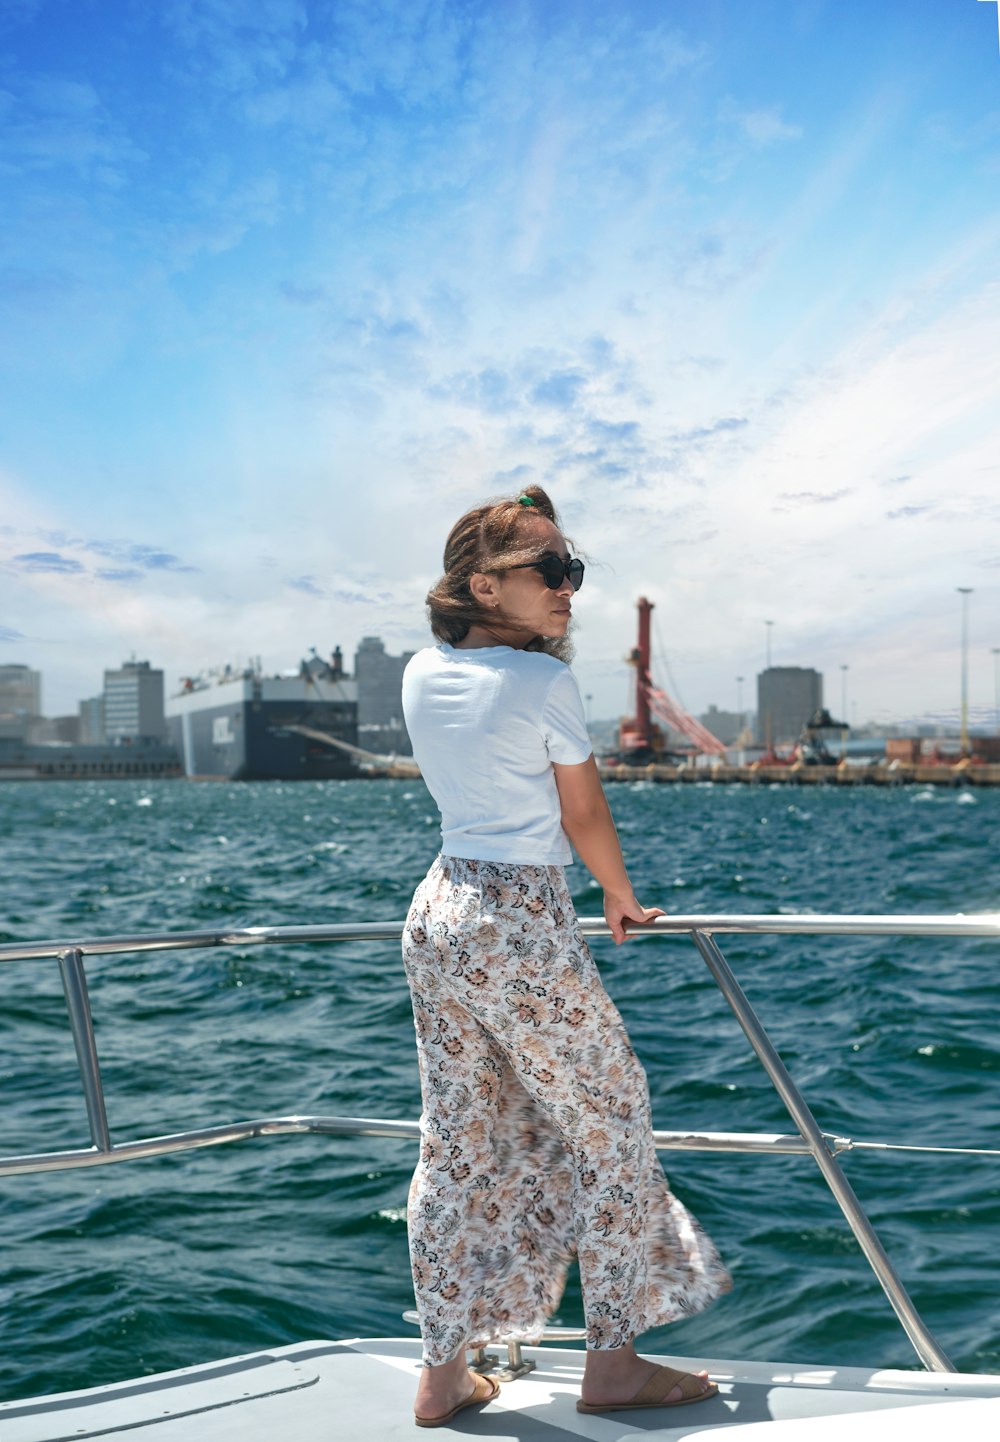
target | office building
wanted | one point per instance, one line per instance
(787, 698)
(133, 702)
(20, 700)
(379, 678)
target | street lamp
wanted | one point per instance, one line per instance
(965, 592)
(739, 695)
(768, 624)
(843, 710)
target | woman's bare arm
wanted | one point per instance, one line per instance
(588, 823)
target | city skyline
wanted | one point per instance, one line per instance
(983, 720)
(290, 286)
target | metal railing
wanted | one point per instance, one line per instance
(701, 930)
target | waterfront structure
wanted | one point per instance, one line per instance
(379, 678)
(133, 702)
(20, 700)
(123, 760)
(245, 726)
(787, 698)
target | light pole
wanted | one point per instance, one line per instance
(965, 592)
(843, 710)
(768, 624)
(996, 688)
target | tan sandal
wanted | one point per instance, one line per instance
(474, 1399)
(655, 1392)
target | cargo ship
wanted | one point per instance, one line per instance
(240, 725)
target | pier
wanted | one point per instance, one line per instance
(893, 773)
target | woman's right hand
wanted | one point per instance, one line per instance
(621, 911)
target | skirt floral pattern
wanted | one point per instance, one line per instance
(536, 1134)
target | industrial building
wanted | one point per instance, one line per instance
(787, 699)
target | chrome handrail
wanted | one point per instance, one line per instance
(799, 924)
(778, 1143)
(699, 929)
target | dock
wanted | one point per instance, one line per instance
(964, 773)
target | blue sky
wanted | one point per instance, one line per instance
(288, 284)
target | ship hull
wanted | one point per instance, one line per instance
(250, 736)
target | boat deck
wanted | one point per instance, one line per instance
(327, 1391)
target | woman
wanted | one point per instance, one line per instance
(536, 1131)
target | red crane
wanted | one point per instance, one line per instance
(640, 733)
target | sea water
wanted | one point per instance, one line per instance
(122, 1270)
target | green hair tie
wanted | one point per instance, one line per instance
(525, 501)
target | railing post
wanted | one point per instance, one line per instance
(923, 1342)
(74, 980)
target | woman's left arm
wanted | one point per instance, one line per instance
(587, 821)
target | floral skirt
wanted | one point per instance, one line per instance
(536, 1135)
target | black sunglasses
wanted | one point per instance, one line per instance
(554, 570)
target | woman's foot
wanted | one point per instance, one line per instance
(442, 1391)
(615, 1378)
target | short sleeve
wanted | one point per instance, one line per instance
(564, 726)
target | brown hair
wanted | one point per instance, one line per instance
(487, 538)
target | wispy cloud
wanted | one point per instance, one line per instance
(235, 45)
(725, 425)
(707, 262)
(622, 432)
(36, 289)
(141, 557)
(789, 500)
(216, 214)
(490, 390)
(764, 126)
(55, 123)
(70, 555)
(19, 12)
(47, 561)
(120, 575)
(350, 594)
(905, 512)
(308, 585)
(560, 390)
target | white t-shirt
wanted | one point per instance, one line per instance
(486, 725)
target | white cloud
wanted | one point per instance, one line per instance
(765, 127)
